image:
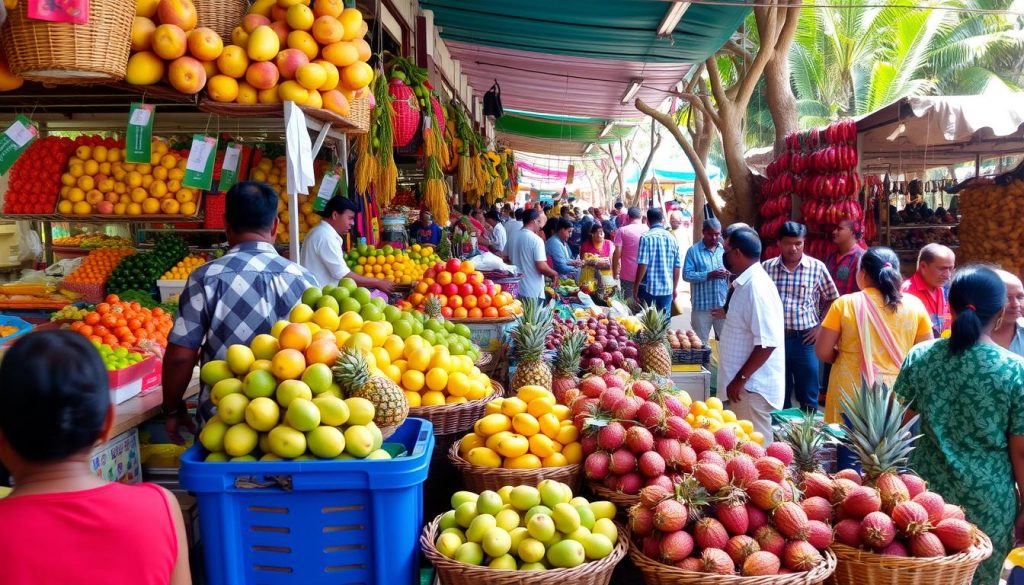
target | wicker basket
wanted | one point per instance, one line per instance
(57, 52)
(623, 501)
(656, 573)
(221, 15)
(452, 572)
(858, 567)
(479, 478)
(357, 121)
(450, 419)
(509, 282)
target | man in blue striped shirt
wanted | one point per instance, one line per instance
(658, 264)
(705, 271)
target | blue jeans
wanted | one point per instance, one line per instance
(663, 302)
(801, 373)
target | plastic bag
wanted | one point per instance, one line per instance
(30, 245)
(63, 267)
(488, 261)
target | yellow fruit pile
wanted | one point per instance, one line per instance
(182, 269)
(394, 267)
(273, 172)
(166, 45)
(711, 414)
(425, 256)
(98, 180)
(527, 431)
(286, 51)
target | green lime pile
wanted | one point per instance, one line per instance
(117, 359)
(140, 271)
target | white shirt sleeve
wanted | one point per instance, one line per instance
(539, 253)
(332, 256)
(767, 325)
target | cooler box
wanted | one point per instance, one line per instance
(313, 522)
(488, 334)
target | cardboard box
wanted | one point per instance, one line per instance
(118, 459)
(9, 249)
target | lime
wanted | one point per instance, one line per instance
(430, 336)
(449, 326)
(340, 293)
(348, 284)
(362, 295)
(392, 313)
(461, 330)
(371, 313)
(433, 325)
(379, 303)
(311, 296)
(350, 304)
(417, 327)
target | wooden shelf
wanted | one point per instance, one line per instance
(59, 217)
(922, 226)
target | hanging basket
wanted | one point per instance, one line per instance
(407, 113)
(62, 53)
(221, 15)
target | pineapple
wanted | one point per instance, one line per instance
(652, 342)
(352, 373)
(881, 440)
(806, 440)
(432, 308)
(528, 341)
(566, 364)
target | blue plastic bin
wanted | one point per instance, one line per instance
(22, 325)
(335, 522)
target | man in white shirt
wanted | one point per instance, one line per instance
(526, 252)
(752, 365)
(499, 238)
(512, 228)
(323, 251)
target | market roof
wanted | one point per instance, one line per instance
(578, 57)
(561, 135)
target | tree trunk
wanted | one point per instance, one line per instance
(741, 206)
(779, 94)
(655, 145)
(702, 140)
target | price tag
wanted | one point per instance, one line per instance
(229, 168)
(328, 187)
(15, 140)
(139, 137)
(199, 167)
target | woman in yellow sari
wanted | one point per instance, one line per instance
(866, 334)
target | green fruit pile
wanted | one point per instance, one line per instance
(70, 313)
(527, 528)
(260, 419)
(117, 359)
(140, 271)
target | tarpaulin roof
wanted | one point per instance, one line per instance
(934, 131)
(570, 135)
(576, 57)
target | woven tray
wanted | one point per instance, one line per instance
(700, 356)
(452, 572)
(357, 122)
(450, 419)
(858, 567)
(623, 501)
(656, 573)
(479, 478)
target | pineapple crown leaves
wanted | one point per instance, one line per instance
(694, 495)
(807, 440)
(432, 308)
(569, 353)
(876, 431)
(351, 370)
(528, 342)
(654, 326)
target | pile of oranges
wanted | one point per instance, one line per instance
(98, 265)
(182, 269)
(122, 324)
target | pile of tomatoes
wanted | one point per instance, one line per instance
(34, 181)
(122, 324)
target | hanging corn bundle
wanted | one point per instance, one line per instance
(465, 177)
(366, 165)
(382, 144)
(435, 190)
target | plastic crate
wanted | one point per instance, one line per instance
(170, 290)
(334, 522)
(22, 325)
(126, 383)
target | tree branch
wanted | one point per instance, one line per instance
(716, 81)
(733, 47)
(698, 165)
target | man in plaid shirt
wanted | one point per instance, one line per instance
(230, 300)
(657, 264)
(704, 269)
(807, 291)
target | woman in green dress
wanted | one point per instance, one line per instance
(970, 395)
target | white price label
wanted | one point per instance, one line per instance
(200, 153)
(231, 156)
(141, 116)
(20, 134)
(327, 186)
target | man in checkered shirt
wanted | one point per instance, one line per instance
(658, 264)
(807, 291)
(230, 300)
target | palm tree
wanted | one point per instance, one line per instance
(980, 52)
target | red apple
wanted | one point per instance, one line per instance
(454, 265)
(479, 289)
(476, 277)
(430, 273)
(435, 289)
(439, 267)
(465, 289)
(490, 287)
(451, 289)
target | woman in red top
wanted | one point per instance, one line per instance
(63, 524)
(844, 264)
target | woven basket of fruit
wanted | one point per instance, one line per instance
(481, 477)
(622, 500)
(449, 419)
(221, 15)
(453, 572)
(859, 567)
(657, 573)
(62, 52)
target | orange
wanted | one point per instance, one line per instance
(475, 313)
(356, 76)
(469, 302)
(323, 351)
(459, 278)
(460, 313)
(295, 336)
(288, 364)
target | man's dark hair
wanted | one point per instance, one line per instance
(54, 396)
(529, 215)
(492, 214)
(747, 242)
(563, 224)
(711, 224)
(466, 208)
(792, 229)
(564, 211)
(655, 215)
(339, 204)
(732, 228)
(519, 214)
(506, 207)
(634, 213)
(250, 206)
(618, 205)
